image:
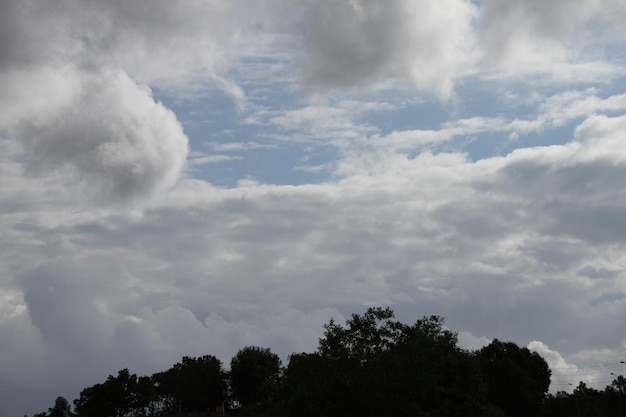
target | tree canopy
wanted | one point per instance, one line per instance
(373, 365)
(377, 366)
(254, 377)
(517, 378)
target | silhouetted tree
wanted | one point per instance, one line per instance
(376, 366)
(560, 404)
(116, 397)
(585, 401)
(254, 375)
(61, 408)
(616, 395)
(373, 366)
(195, 385)
(518, 379)
(425, 373)
(310, 387)
(146, 403)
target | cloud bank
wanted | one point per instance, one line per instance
(525, 247)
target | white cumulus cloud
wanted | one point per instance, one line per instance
(109, 137)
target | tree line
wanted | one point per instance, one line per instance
(371, 366)
(589, 402)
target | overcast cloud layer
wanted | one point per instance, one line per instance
(445, 157)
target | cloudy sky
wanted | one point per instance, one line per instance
(191, 177)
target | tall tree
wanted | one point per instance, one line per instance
(518, 379)
(617, 389)
(313, 385)
(116, 397)
(254, 375)
(146, 402)
(619, 384)
(425, 373)
(61, 408)
(377, 366)
(195, 385)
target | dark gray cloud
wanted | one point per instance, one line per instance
(432, 45)
(363, 42)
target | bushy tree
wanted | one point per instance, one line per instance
(116, 397)
(424, 373)
(585, 401)
(518, 379)
(254, 376)
(372, 366)
(195, 385)
(313, 386)
(376, 366)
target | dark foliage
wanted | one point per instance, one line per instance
(376, 366)
(195, 385)
(589, 402)
(61, 408)
(254, 378)
(518, 379)
(116, 397)
(371, 366)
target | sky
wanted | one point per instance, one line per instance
(192, 177)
